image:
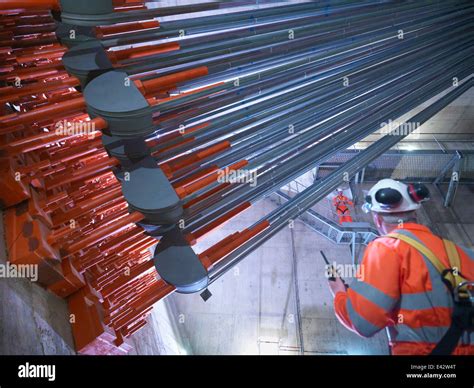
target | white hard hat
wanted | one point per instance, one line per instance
(391, 196)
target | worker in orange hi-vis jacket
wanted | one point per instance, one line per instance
(341, 203)
(414, 283)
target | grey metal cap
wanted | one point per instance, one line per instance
(125, 150)
(86, 12)
(87, 61)
(72, 35)
(115, 98)
(148, 191)
(178, 264)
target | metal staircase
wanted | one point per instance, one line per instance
(349, 233)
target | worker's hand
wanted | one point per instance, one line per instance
(336, 285)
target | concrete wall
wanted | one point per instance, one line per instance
(33, 321)
(276, 301)
(161, 334)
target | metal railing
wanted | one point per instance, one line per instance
(349, 233)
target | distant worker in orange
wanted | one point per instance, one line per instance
(342, 203)
(414, 282)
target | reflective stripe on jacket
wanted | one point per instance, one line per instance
(401, 289)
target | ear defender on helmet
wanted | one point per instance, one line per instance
(391, 196)
(418, 192)
(388, 198)
(367, 204)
